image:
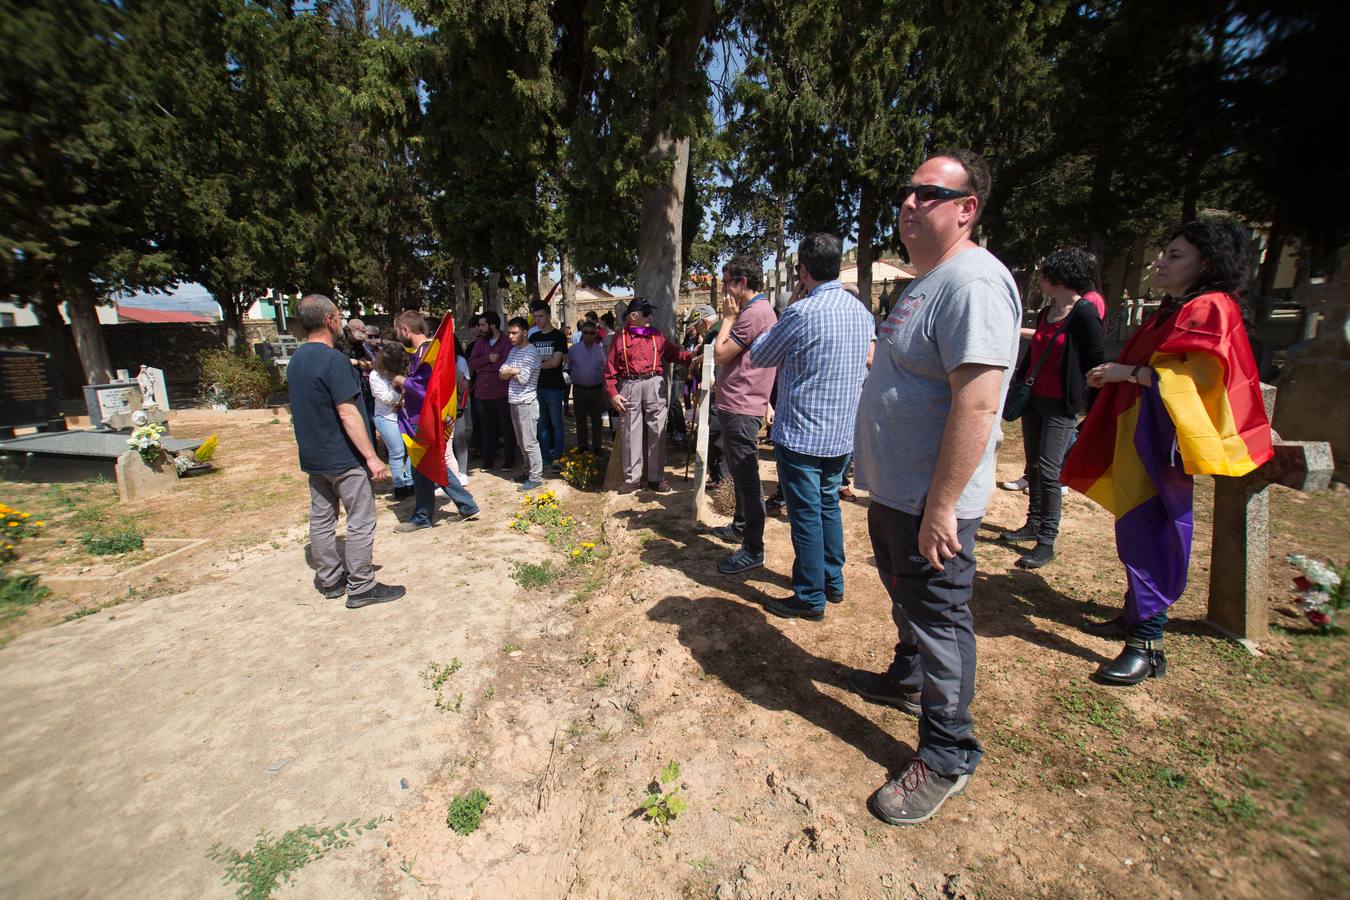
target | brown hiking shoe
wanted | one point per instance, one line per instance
(916, 795)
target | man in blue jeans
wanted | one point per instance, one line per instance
(411, 328)
(820, 346)
(551, 344)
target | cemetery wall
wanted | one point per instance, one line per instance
(171, 346)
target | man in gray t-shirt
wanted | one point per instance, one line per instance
(924, 450)
(964, 312)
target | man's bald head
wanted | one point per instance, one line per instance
(313, 312)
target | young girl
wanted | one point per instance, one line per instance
(390, 364)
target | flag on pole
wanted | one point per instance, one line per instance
(428, 400)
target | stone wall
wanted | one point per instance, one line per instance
(171, 346)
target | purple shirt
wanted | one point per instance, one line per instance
(487, 385)
(586, 364)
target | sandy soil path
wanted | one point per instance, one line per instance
(133, 740)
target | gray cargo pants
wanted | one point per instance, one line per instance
(646, 399)
(936, 651)
(352, 489)
(525, 421)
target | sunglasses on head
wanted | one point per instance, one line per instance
(925, 192)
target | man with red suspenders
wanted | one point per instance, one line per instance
(636, 390)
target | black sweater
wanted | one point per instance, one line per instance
(1082, 350)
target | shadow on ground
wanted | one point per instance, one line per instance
(736, 643)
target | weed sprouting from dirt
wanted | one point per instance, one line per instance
(532, 575)
(258, 871)
(434, 676)
(111, 542)
(18, 593)
(663, 806)
(466, 811)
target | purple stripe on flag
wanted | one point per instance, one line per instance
(1154, 538)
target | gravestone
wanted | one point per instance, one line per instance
(1314, 402)
(111, 406)
(137, 479)
(28, 396)
(1239, 579)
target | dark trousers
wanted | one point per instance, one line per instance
(936, 651)
(740, 444)
(476, 420)
(497, 429)
(1047, 428)
(588, 406)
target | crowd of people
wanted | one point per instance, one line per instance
(913, 404)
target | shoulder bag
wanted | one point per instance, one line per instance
(1019, 392)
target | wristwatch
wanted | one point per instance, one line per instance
(1134, 375)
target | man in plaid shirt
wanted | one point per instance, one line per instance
(821, 347)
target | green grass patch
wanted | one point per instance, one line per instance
(533, 575)
(466, 811)
(111, 542)
(274, 860)
(1091, 707)
(18, 593)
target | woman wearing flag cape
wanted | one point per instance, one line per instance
(1183, 399)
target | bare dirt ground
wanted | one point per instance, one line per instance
(132, 744)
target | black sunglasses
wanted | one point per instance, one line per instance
(925, 192)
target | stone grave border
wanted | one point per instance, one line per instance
(69, 586)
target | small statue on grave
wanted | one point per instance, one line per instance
(146, 382)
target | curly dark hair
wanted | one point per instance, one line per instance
(1226, 251)
(391, 360)
(1073, 268)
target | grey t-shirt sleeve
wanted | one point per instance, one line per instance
(975, 326)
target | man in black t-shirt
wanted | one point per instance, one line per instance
(332, 430)
(551, 344)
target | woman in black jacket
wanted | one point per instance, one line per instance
(1057, 393)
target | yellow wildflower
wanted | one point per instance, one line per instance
(39, 523)
(13, 524)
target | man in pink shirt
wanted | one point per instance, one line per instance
(742, 399)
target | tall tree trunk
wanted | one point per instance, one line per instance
(659, 263)
(53, 330)
(89, 343)
(493, 297)
(1098, 202)
(461, 309)
(867, 226)
(780, 281)
(532, 276)
(567, 310)
(1270, 268)
(233, 305)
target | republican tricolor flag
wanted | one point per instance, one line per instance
(429, 399)
(1139, 447)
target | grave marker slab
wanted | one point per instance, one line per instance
(28, 396)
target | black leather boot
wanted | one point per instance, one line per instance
(1026, 533)
(1139, 661)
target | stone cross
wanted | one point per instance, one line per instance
(1239, 578)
